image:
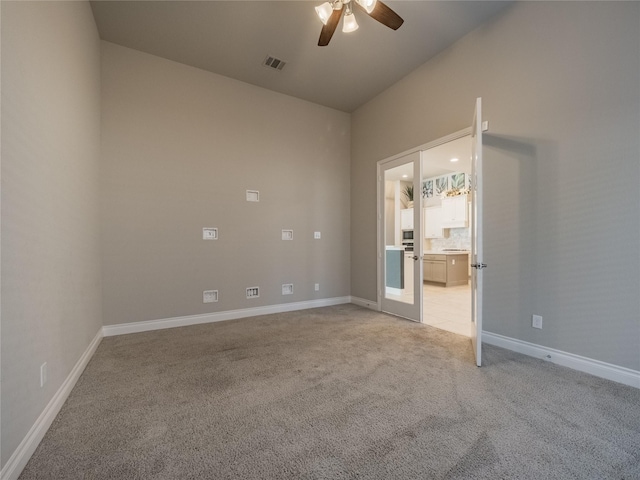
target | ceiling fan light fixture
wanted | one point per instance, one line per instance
(368, 5)
(349, 24)
(343, 9)
(324, 11)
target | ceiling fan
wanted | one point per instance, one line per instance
(331, 12)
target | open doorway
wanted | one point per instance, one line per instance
(446, 201)
(446, 198)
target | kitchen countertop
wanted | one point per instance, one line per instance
(447, 252)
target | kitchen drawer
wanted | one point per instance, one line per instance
(441, 258)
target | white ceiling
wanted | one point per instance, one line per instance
(232, 38)
(437, 160)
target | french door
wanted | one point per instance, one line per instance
(400, 236)
(476, 232)
(400, 273)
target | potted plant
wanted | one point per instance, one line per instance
(408, 192)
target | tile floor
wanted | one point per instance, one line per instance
(448, 308)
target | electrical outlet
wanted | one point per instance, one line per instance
(209, 233)
(43, 374)
(253, 292)
(536, 321)
(317, 287)
(317, 235)
(210, 296)
(287, 289)
(287, 234)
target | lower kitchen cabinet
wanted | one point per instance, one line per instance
(435, 268)
(408, 272)
(445, 268)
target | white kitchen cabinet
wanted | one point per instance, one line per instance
(433, 222)
(406, 219)
(408, 272)
(454, 212)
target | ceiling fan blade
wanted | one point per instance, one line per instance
(385, 15)
(329, 28)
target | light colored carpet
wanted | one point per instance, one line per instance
(334, 393)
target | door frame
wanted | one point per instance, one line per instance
(477, 190)
(380, 206)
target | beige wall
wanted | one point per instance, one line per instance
(51, 307)
(180, 146)
(560, 82)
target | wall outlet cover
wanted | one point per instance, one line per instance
(287, 289)
(317, 235)
(536, 321)
(287, 234)
(210, 296)
(209, 233)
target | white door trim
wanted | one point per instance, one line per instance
(379, 169)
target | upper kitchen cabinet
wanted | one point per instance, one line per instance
(433, 222)
(455, 212)
(406, 219)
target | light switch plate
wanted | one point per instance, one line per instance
(317, 235)
(253, 196)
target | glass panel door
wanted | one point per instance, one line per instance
(400, 234)
(476, 233)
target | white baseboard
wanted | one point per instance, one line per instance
(576, 362)
(30, 442)
(137, 327)
(363, 302)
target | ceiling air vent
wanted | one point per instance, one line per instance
(273, 62)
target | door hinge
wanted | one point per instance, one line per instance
(479, 266)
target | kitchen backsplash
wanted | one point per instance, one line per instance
(459, 238)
